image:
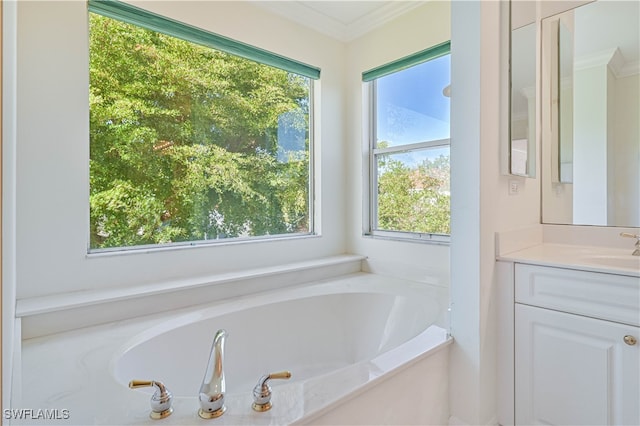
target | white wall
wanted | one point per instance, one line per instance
(481, 205)
(53, 150)
(8, 180)
(417, 30)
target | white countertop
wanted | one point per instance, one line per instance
(586, 258)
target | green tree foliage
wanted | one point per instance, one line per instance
(414, 199)
(184, 141)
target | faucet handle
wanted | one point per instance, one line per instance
(637, 245)
(628, 235)
(262, 391)
(161, 399)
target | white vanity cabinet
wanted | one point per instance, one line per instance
(577, 349)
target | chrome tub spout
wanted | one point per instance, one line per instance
(213, 388)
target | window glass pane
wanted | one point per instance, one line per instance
(413, 191)
(411, 106)
(190, 144)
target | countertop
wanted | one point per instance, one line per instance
(586, 258)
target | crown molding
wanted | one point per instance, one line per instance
(613, 59)
(308, 16)
(379, 17)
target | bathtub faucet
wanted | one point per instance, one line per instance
(212, 389)
(637, 237)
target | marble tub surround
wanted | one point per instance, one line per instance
(588, 248)
(75, 370)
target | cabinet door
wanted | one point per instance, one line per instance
(574, 370)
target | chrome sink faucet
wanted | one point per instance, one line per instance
(212, 390)
(636, 252)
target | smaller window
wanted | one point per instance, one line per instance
(409, 194)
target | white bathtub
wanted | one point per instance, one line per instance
(335, 338)
(361, 349)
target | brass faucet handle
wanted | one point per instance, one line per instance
(280, 375)
(161, 399)
(636, 252)
(628, 235)
(134, 384)
(262, 391)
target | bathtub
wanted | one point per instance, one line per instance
(361, 349)
(335, 338)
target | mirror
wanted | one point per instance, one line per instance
(522, 137)
(590, 107)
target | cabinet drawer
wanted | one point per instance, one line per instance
(606, 296)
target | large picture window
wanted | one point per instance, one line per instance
(409, 146)
(193, 137)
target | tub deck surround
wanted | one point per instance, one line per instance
(85, 370)
(45, 315)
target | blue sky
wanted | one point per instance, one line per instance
(411, 106)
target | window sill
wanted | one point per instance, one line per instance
(410, 237)
(120, 251)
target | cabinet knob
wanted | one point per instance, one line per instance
(630, 340)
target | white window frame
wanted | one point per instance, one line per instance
(370, 198)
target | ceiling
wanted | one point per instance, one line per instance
(342, 20)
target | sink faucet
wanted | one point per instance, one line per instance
(636, 252)
(212, 389)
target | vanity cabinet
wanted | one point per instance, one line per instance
(577, 356)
